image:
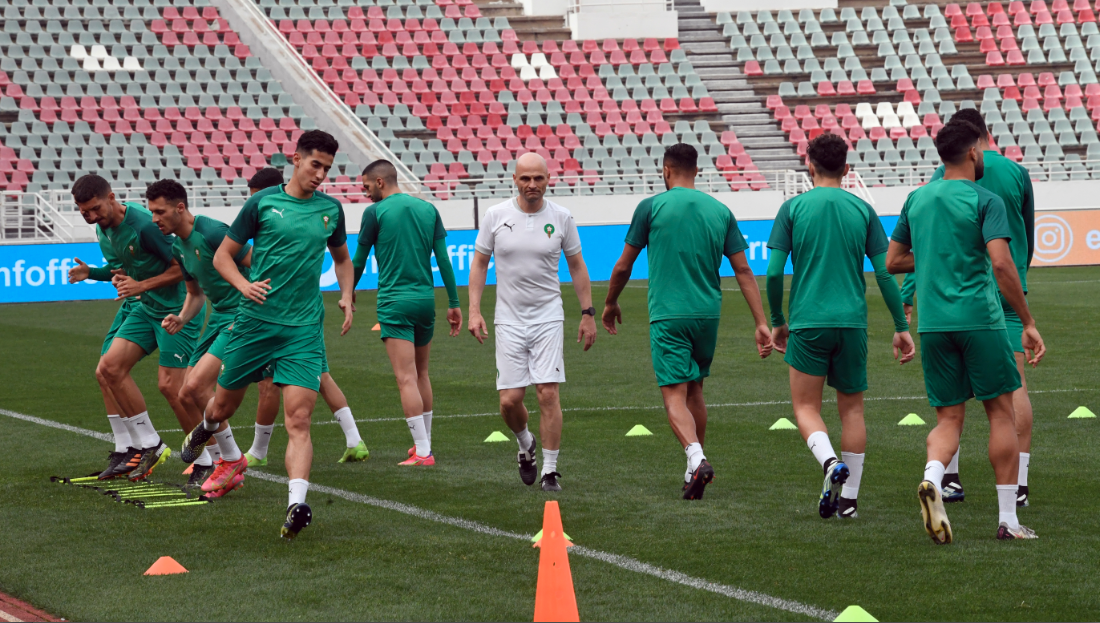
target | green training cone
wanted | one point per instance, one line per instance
(538, 537)
(496, 436)
(783, 424)
(911, 420)
(1081, 412)
(854, 614)
(638, 431)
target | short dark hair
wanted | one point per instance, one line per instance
(682, 156)
(266, 178)
(975, 118)
(829, 153)
(955, 139)
(169, 190)
(317, 140)
(381, 168)
(90, 187)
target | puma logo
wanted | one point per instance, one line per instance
(178, 356)
(510, 226)
(279, 212)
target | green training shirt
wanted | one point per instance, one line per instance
(688, 232)
(196, 255)
(828, 231)
(402, 229)
(139, 248)
(289, 236)
(948, 224)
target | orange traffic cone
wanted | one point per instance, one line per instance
(190, 468)
(554, 597)
(376, 327)
(165, 565)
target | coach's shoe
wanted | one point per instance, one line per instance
(236, 483)
(195, 443)
(224, 473)
(356, 454)
(121, 463)
(846, 508)
(1021, 496)
(935, 519)
(254, 462)
(424, 461)
(199, 474)
(528, 465)
(150, 459)
(835, 477)
(700, 478)
(549, 482)
(1004, 533)
(952, 489)
(298, 516)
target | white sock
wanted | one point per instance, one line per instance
(298, 489)
(135, 438)
(419, 435)
(1025, 460)
(147, 434)
(819, 444)
(695, 456)
(208, 425)
(953, 466)
(1006, 504)
(347, 423)
(549, 460)
(230, 451)
(122, 434)
(261, 440)
(687, 473)
(204, 459)
(855, 473)
(523, 438)
(933, 472)
(427, 415)
(214, 450)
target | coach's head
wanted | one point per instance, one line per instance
(681, 165)
(531, 178)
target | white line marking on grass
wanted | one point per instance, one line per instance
(623, 562)
(8, 617)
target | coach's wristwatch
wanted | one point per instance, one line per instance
(591, 311)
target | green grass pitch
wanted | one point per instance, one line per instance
(81, 556)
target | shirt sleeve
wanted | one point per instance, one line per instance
(339, 235)
(735, 242)
(485, 242)
(901, 233)
(938, 175)
(440, 230)
(994, 218)
(368, 227)
(1029, 216)
(247, 223)
(153, 241)
(876, 235)
(571, 238)
(780, 238)
(638, 234)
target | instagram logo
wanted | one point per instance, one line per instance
(1053, 238)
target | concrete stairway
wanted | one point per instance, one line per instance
(741, 109)
(528, 28)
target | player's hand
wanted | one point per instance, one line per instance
(172, 324)
(454, 318)
(477, 327)
(903, 344)
(779, 338)
(80, 272)
(126, 285)
(349, 310)
(764, 344)
(256, 291)
(908, 314)
(611, 314)
(353, 301)
(587, 331)
(1033, 344)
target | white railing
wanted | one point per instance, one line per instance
(709, 181)
(575, 6)
(797, 182)
(30, 217)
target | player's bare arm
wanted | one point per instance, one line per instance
(479, 268)
(751, 291)
(127, 286)
(192, 305)
(582, 285)
(226, 265)
(1008, 281)
(620, 275)
(899, 258)
(345, 276)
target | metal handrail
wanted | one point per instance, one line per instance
(45, 222)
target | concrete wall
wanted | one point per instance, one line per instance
(731, 6)
(602, 19)
(545, 7)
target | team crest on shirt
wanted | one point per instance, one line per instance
(197, 254)
(549, 229)
(325, 218)
(131, 249)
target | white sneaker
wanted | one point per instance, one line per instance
(1004, 533)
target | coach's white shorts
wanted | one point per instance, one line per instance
(530, 355)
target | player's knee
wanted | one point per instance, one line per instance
(510, 402)
(547, 394)
(297, 420)
(107, 373)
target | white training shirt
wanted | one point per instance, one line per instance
(527, 249)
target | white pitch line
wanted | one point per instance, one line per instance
(623, 562)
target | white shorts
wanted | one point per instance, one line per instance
(530, 355)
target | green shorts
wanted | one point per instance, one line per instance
(142, 327)
(409, 320)
(960, 365)
(1014, 325)
(839, 355)
(294, 355)
(682, 349)
(124, 311)
(217, 323)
